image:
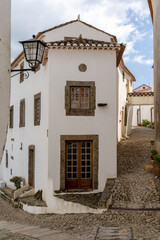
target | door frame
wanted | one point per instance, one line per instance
(95, 140)
(31, 148)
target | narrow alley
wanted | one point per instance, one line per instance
(134, 189)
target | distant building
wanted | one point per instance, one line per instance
(143, 88)
(143, 111)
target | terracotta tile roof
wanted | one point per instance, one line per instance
(73, 21)
(40, 35)
(85, 43)
(140, 94)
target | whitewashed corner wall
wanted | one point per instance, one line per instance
(5, 37)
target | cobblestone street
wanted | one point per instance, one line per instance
(134, 189)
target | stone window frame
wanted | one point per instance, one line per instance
(22, 114)
(11, 116)
(21, 73)
(63, 139)
(80, 112)
(36, 120)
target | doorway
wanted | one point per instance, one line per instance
(31, 165)
(79, 165)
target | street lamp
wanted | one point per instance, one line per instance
(33, 52)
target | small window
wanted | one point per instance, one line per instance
(80, 98)
(143, 87)
(21, 73)
(22, 113)
(6, 159)
(123, 75)
(11, 117)
(37, 109)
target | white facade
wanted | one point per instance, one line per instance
(141, 113)
(5, 39)
(125, 86)
(61, 66)
(144, 111)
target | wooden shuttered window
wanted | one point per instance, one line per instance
(37, 109)
(11, 117)
(80, 97)
(22, 113)
(21, 73)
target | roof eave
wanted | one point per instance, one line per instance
(150, 8)
(120, 54)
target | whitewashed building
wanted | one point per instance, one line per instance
(142, 112)
(125, 112)
(65, 118)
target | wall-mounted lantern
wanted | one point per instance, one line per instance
(33, 52)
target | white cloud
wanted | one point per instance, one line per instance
(142, 60)
(113, 16)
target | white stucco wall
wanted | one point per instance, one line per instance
(101, 68)
(74, 30)
(5, 29)
(30, 134)
(122, 101)
(145, 113)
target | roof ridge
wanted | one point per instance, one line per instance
(73, 21)
(141, 86)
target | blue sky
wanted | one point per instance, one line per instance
(129, 20)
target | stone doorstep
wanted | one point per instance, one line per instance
(106, 197)
(19, 203)
(115, 233)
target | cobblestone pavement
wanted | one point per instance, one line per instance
(6, 235)
(134, 189)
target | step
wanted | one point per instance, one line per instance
(114, 233)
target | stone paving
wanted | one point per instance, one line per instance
(109, 233)
(134, 189)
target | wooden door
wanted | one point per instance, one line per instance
(122, 123)
(79, 164)
(31, 165)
